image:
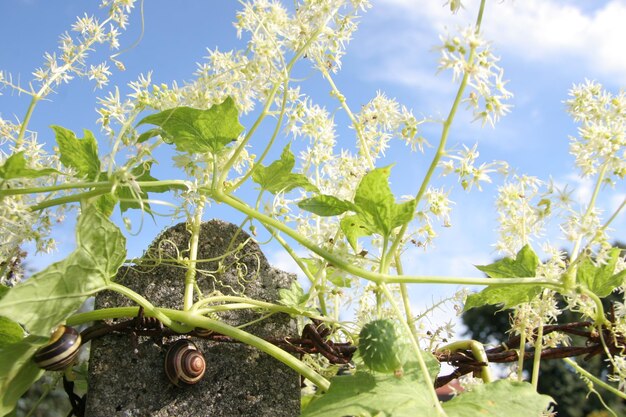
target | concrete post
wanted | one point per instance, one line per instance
(239, 381)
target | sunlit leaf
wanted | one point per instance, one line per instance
(52, 295)
(18, 371)
(277, 177)
(523, 266)
(601, 278)
(367, 394)
(198, 131)
(79, 154)
(15, 167)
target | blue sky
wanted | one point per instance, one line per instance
(545, 46)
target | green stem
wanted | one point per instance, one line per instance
(26, 121)
(148, 307)
(190, 274)
(537, 359)
(69, 199)
(594, 379)
(478, 350)
(268, 103)
(522, 353)
(569, 278)
(404, 292)
(192, 319)
(357, 126)
(600, 318)
(447, 124)
(107, 185)
(375, 277)
(418, 352)
(297, 365)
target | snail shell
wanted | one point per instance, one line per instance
(184, 363)
(61, 350)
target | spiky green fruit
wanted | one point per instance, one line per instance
(382, 346)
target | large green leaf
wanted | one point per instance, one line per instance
(277, 177)
(52, 295)
(377, 211)
(79, 154)
(366, 394)
(15, 167)
(17, 371)
(198, 131)
(523, 266)
(500, 398)
(601, 278)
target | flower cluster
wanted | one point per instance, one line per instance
(602, 142)
(519, 218)
(463, 164)
(469, 57)
(384, 118)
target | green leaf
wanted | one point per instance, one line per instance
(524, 265)
(601, 279)
(106, 204)
(17, 371)
(367, 394)
(497, 399)
(199, 131)
(508, 296)
(277, 177)
(15, 167)
(292, 297)
(354, 227)
(49, 297)
(326, 205)
(377, 211)
(10, 332)
(79, 154)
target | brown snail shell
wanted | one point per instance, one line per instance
(61, 351)
(184, 363)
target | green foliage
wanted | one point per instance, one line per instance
(78, 154)
(326, 205)
(377, 394)
(277, 177)
(368, 394)
(382, 346)
(52, 295)
(10, 331)
(524, 265)
(491, 325)
(17, 370)
(499, 398)
(198, 131)
(374, 203)
(15, 167)
(601, 278)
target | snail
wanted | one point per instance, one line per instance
(184, 363)
(61, 351)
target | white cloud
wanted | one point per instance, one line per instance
(556, 32)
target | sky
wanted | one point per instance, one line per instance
(545, 46)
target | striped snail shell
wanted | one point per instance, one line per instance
(184, 363)
(61, 350)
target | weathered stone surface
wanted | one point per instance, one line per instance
(239, 381)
